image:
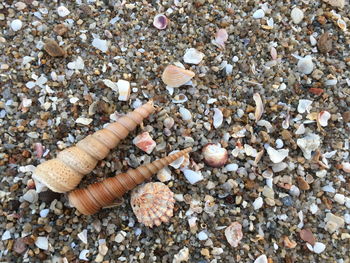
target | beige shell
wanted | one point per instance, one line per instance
(175, 77)
(152, 203)
(64, 173)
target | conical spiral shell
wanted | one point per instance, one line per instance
(64, 173)
(175, 77)
(91, 199)
(152, 203)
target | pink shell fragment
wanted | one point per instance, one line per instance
(144, 142)
(39, 149)
(234, 234)
(323, 118)
(160, 21)
(273, 53)
(221, 37)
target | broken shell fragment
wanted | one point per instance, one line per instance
(234, 234)
(193, 56)
(123, 89)
(346, 167)
(277, 156)
(152, 203)
(221, 37)
(259, 110)
(218, 118)
(309, 143)
(305, 65)
(160, 21)
(214, 155)
(53, 49)
(174, 76)
(144, 142)
(323, 117)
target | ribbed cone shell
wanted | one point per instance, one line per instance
(152, 203)
(175, 77)
(91, 199)
(64, 173)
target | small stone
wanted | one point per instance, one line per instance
(297, 15)
(183, 255)
(346, 116)
(339, 198)
(119, 238)
(48, 196)
(31, 196)
(319, 247)
(317, 74)
(202, 236)
(60, 29)
(164, 175)
(83, 120)
(325, 43)
(261, 259)
(305, 65)
(233, 234)
(13, 204)
(77, 64)
(6, 235)
(304, 106)
(192, 176)
(307, 236)
(333, 222)
(287, 201)
(336, 3)
(53, 49)
(258, 203)
(42, 243)
(16, 25)
(185, 114)
(62, 11)
(259, 14)
(19, 246)
(303, 185)
(100, 44)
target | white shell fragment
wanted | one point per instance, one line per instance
(277, 156)
(323, 118)
(144, 142)
(83, 236)
(346, 167)
(100, 44)
(318, 248)
(304, 106)
(192, 176)
(193, 56)
(111, 84)
(259, 110)
(16, 25)
(218, 118)
(42, 243)
(260, 13)
(31, 196)
(77, 64)
(261, 259)
(182, 256)
(62, 11)
(258, 203)
(185, 114)
(83, 121)
(83, 255)
(305, 65)
(309, 143)
(124, 90)
(234, 234)
(297, 15)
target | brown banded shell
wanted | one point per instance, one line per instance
(174, 76)
(64, 173)
(152, 203)
(92, 198)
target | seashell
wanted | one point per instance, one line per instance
(234, 234)
(346, 167)
(174, 76)
(336, 3)
(341, 24)
(218, 118)
(160, 21)
(64, 173)
(309, 143)
(297, 15)
(260, 13)
(304, 106)
(261, 259)
(221, 37)
(92, 198)
(182, 256)
(277, 156)
(305, 65)
(16, 25)
(214, 155)
(259, 110)
(53, 49)
(185, 114)
(145, 142)
(193, 56)
(323, 117)
(152, 203)
(123, 89)
(193, 176)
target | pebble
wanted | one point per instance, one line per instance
(339, 198)
(77, 64)
(16, 25)
(6, 235)
(258, 203)
(287, 201)
(183, 255)
(297, 15)
(53, 49)
(305, 65)
(44, 212)
(119, 238)
(261, 259)
(83, 255)
(259, 14)
(233, 234)
(164, 175)
(62, 11)
(232, 167)
(42, 243)
(307, 236)
(19, 246)
(303, 185)
(83, 120)
(185, 114)
(325, 43)
(202, 236)
(124, 90)
(318, 248)
(31, 196)
(100, 44)
(333, 222)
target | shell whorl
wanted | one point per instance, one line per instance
(91, 199)
(64, 173)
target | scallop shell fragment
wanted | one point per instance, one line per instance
(193, 56)
(152, 203)
(160, 21)
(174, 76)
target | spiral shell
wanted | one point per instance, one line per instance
(175, 77)
(152, 203)
(91, 199)
(64, 173)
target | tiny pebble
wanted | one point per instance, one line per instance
(16, 25)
